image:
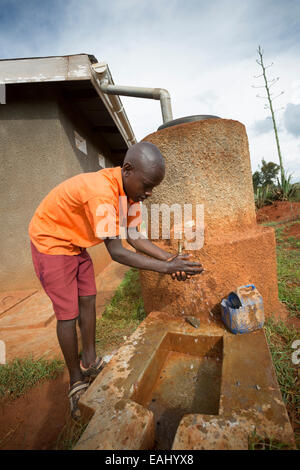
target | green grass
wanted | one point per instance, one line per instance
(280, 224)
(122, 316)
(256, 442)
(70, 434)
(19, 375)
(281, 336)
(288, 269)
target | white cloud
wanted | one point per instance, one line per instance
(202, 52)
(292, 119)
(263, 126)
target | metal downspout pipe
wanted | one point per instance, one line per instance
(139, 92)
(107, 86)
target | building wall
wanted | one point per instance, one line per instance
(71, 123)
(37, 152)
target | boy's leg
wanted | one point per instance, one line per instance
(87, 325)
(87, 308)
(58, 276)
(67, 337)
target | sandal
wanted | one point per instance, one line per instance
(94, 369)
(75, 393)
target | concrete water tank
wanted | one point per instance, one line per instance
(208, 162)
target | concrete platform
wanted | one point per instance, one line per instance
(27, 320)
(171, 386)
(11, 298)
(33, 312)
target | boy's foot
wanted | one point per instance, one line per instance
(75, 392)
(94, 369)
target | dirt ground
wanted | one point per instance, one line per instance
(36, 420)
(280, 211)
(293, 231)
(283, 212)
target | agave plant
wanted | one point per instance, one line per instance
(285, 190)
(263, 195)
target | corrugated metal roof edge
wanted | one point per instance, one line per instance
(90, 56)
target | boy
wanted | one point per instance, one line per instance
(81, 212)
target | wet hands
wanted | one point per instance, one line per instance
(182, 269)
(180, 276)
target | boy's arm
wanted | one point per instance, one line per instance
(135, 260)
(129, 258)
(146, 246)
(143, 244)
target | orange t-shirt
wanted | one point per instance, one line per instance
(81, 211)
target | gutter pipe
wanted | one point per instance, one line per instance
(108, 87)
(116, 110)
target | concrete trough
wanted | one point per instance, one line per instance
(184, 376)
(172, 386)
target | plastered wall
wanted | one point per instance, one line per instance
(37, 152)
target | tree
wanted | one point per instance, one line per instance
(269, 172)
(266, 176)
(256, 179)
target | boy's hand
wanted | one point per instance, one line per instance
(183, 269)
(180, 276)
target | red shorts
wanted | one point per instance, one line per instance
(64, 278)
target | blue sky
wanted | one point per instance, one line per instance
(203, 52)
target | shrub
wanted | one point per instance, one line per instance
(263, 195)
(285, 191)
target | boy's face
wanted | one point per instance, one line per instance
(138, 184)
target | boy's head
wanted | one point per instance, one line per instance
(143, 169)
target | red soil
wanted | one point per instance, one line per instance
(293, 231)
(280, 211)
(35, 420)
(283, 212)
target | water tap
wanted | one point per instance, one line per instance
(180, 243)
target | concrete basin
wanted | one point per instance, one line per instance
(184, 376)
(172, 386)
